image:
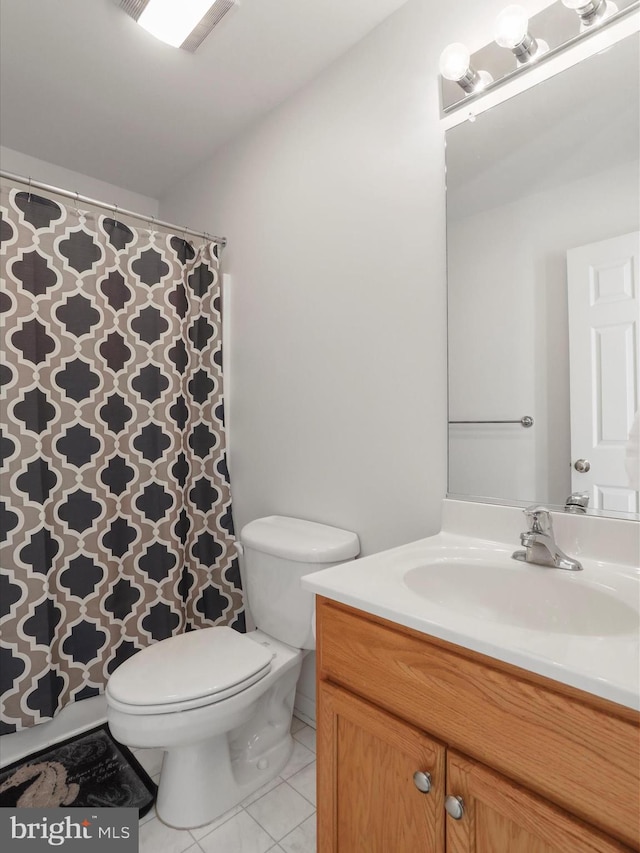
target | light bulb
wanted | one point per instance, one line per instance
(591, 11)
(454, 62)
(512, 25)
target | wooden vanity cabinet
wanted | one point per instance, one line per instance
(367, 800)
(539, 767)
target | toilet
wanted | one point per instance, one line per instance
(219, 703)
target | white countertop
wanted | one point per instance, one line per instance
(604, 665)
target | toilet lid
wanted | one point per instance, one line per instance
(198, 665)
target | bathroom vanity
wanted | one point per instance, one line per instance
(405, 721)
(441, 731)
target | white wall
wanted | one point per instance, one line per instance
(528, 361)
(334, 207)
(334, 210)
(57, 176)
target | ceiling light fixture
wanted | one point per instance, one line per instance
(180, 23)
(512, 32)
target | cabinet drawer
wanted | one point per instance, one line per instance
(580, 757)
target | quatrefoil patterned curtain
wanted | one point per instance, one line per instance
(115, 516)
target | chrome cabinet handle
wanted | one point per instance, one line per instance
(582, 465)
(454, 807)
(422, 781)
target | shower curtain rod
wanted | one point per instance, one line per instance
(114, 208)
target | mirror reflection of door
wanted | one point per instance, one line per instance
(604, 344)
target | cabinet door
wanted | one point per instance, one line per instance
(368, 801)
(502, 817)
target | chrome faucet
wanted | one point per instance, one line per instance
(540, 544)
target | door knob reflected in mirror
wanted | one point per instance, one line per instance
(582, 465)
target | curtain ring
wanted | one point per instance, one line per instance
(115, 212)
(29, 195)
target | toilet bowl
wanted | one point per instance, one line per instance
(209, 732)
(219, 703)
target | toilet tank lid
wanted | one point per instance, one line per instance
(303, 541)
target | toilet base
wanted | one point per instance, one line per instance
(190, 795)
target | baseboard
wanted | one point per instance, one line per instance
(305, 709)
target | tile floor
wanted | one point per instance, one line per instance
(278, 818)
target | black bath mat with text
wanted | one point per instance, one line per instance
(90, 769)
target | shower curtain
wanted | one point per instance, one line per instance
(115, 516)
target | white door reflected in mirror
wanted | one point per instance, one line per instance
(604, 349)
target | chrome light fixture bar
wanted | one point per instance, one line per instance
(520, 43)
(180, 23)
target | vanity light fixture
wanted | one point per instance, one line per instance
(184, 24)
(512, 32)
(562, 24)
(455, 64)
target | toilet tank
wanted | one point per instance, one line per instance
(278, 551)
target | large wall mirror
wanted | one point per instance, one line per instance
(543, 247)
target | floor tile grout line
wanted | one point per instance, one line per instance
(245, 809)
(300, 792)
(263, 827)
(288, 833)
(277, 841)
(313, 758)
(226, 820)
(196, 842)
(296, 827)
(242, 809)
(296, 738)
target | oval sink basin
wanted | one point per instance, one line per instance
(536, 598)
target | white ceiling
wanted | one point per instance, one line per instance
(84, 87)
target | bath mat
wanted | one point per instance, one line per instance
(90, 769)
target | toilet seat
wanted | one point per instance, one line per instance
(188, 671)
